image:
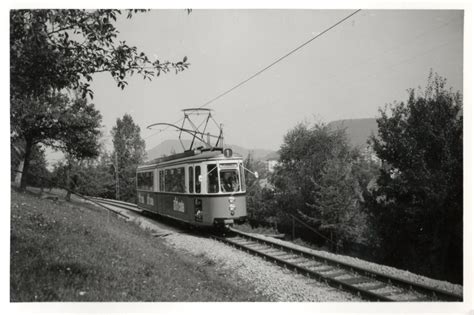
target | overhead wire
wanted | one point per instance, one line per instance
(279, 59)
(268, 66)
(389, 50)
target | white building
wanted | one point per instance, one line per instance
(271, 165)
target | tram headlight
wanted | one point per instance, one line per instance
(232, 209)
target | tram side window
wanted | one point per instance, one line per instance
(175, 180)
(162, 181)
(212, 179)
(168, 180)
(190, 180)
(242, 176)
(197, 183)
(145, 180)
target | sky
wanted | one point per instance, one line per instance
(350, 72)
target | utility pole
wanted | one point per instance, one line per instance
(117, 185)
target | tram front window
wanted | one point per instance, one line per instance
(229, 180)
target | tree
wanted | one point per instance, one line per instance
(129, 152)
(418, 205)
(336, 203)
(254, 165)
(57, 121)
(315, 180)
(59, 49)
(90, 177)
(39, 176)
(260, 200)
(56, 50)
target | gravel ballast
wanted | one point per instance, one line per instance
(269, 279)
(277, 283)
(404, 274)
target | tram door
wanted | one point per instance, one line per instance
(195, 182)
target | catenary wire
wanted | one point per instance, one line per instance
(279, 59)
(268, 66)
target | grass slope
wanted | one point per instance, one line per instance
(70, 252)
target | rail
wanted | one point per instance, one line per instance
(364, 282)
(436, 293)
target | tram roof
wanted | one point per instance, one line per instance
(191, 156)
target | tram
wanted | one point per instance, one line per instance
(203, 186)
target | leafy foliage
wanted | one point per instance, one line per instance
(260, 200)
(253, 165)
(57, 121)
(418, 204)
(317, 181)
(129, 149)
(39, 176)
(90, 177)
(58, 49)
(52, 51)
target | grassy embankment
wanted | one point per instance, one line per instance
(64, 251)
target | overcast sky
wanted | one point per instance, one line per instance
(350, 72)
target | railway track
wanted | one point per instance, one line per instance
(368, 284)
(116, 203)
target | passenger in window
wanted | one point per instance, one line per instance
(229, 183)
(213, 185)
(180, 187)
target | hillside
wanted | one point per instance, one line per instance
(358, 130)
(167, 147)
(74, 251)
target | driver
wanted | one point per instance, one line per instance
(229, 183)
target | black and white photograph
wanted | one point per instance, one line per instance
(308, 154)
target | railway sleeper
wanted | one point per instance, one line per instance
(272, 251)
(336, 274)
(401, 295)
(385, 291)
(375, 286)
(297, 256)
(282, 254)
(238, 239)
(286, 257)
(244, 242)
(298, 260)
(310, 265)
(415, 299)
(259, 247)
(323, 268)
(356, 281)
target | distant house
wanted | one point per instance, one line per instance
(369, 155)
(271, 165)
(271, 160)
